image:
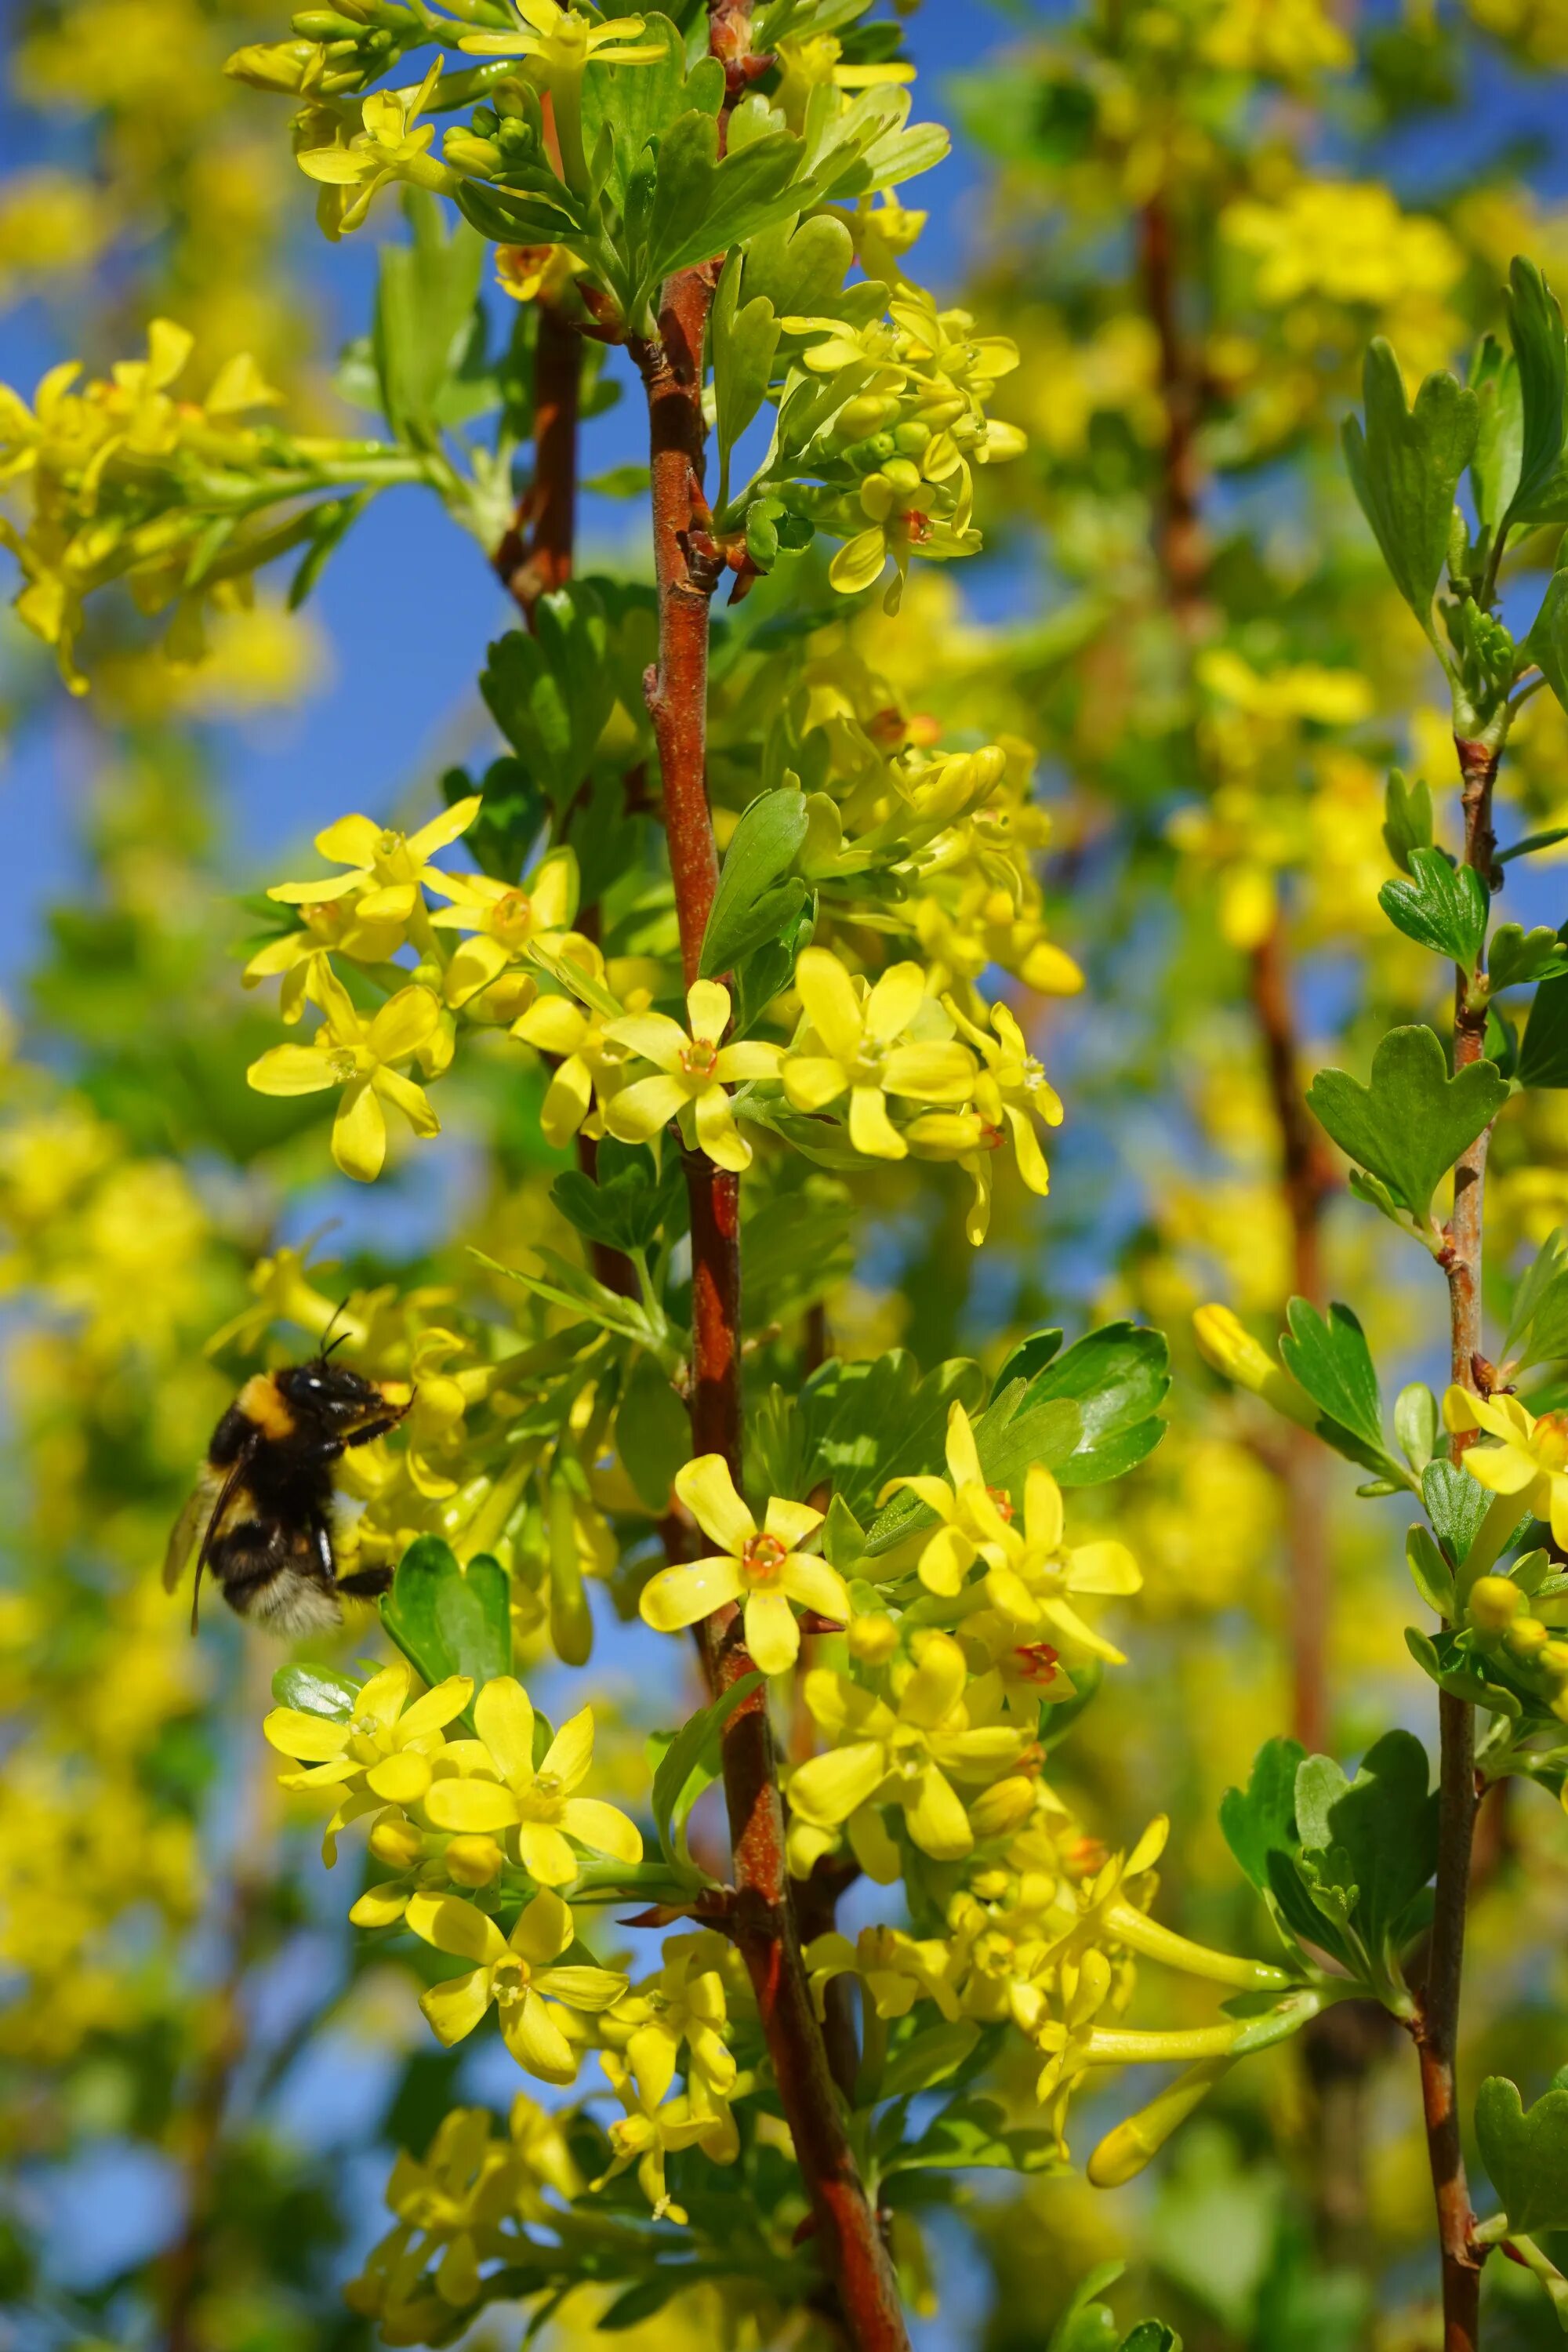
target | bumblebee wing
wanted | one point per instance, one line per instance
(190, 1528)
(231, 1483)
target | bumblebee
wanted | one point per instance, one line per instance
(263, 1508)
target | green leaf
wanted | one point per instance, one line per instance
(653, 1432)
(703, 207)
(929, 2056)
(1525, 2153)
(1444, 907)
(426, 306)
(799, 266)
(1547, 644)
(972, 2134)
(316, 1690)
(1117, 1377)
(1406, 819)
(1260, 1819)
(852, 1426)
(1329, 1357)
(1499, 432)
(628, 1206)
(1430, 1573)
(1384, 1823)
(637, 104)
(1152, 2335)
(1537, 1333)
(757, 895)
(448, 1620)
(744, 342)
(1536, 324)
(1086, 2325)
(1548, 839)
(1417, 1424)
(683, 1774)
(1456, 1666)
(1405, 468)
(1455, 1505)
(1543, 1057)
(1412, 1122)
(1516, 956)
(550, 693)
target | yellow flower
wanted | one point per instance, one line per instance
(517, 1972)
(590, 1063)
(974, 1516)
(895, 1969)
(387, 866)
(694, 1070)
(329, 924)
(448, 2205)
(903, 1755)
(380, 1756)
(389, 147)
(357, 1055)
(1531, 1462)
(542, 1805)
(1013, 1086)
(1038, 1568)
(853, 1046)
(505, 918)
(563, 41)
(684, 2003)
(809, 61)
(700, 2118)
(904, 515)
(763, 1569)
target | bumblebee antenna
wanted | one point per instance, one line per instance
(328, 1342)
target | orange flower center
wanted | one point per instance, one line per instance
(1003, 1502)
(761, 1558)
(699, 1058)
(1037, 1662)
(1550, 1444)
(324, 917)
(512, 918)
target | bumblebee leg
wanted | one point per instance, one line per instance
(366, 1583)
(372, 1429)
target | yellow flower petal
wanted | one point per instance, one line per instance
(677, 1597)
(503, 1716)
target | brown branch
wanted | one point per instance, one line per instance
(536, 553)
(1437, 2023)
(852, 2251)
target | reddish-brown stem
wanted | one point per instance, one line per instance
(854, 2257)
(1180, 542)
(1437, 2025)
(1307, 1178)
(535, 555)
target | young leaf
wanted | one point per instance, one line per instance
(757, 895)
(1547, 644)
(1543, 1057)
(550, 693)
(1455, 1505)
(673, 1795)
(1499, 432)
(1086, 2325)
(1416, 1426)
(1444, 907)
(1412, 1122)
(1516, 956)
(1117, 1377)
(1430, 1573)
(1525, 2153)
(1383, 1824)
(744, 341)
(425, 315)
(653, 1434)
(448, 1620)
(1406, 819)
(1329, 1357)
(1260, 1819)
(1535, 323)
(1538, 1333)
(929, 2057)
(628, 1206)
(1405, 468)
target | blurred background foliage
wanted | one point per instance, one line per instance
(1191, 214)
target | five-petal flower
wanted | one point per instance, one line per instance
(762, 1568)
(539, 1804)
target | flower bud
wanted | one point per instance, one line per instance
(1006, 1805)
(1495, 1602)
(1553, 1655)
(872, 1638)
(474, 1861)
(911, 437)
(904, 476)
(865, 414)
(396, 1840)
(1228, 1346)
(272, 65)
(1527, 1637)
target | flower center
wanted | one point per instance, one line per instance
(1037, 1662)
(1551, 1441)
(761, 1558)
(324, 917)
(1003, 1502)
(512, 918)
(509, 1980)
(699, 1058)
(342, 1062)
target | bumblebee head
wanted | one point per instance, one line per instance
(335, 1394)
